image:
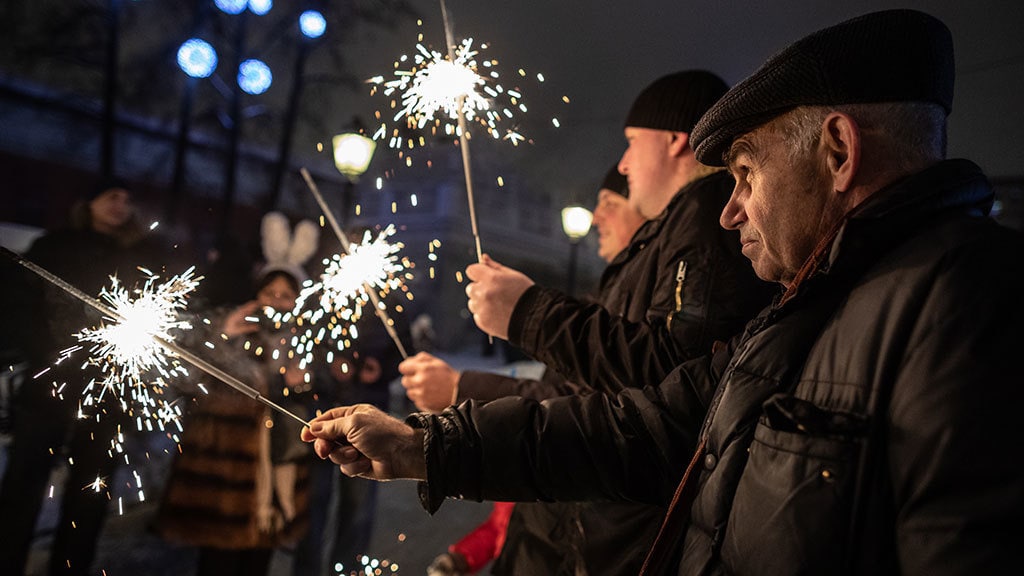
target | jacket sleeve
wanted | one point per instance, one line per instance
(631, 447)
(486, 386)
(953, 441)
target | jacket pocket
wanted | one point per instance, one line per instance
(791, 508)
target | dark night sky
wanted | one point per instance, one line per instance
(602, 52)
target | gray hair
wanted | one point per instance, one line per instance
(910, 134)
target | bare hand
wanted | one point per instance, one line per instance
(236, 324)
(382, 447)
(493, 294)
(429, 382)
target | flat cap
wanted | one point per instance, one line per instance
(888, 56)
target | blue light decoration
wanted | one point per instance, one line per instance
(260, 7)
(197, 58)
(312, 24)
(254, 76)
(231, 6)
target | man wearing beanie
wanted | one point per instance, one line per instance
(866, 422)
(541, 538)
(685, 283)
(679, 285)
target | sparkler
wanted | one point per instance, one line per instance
(125, 351)
(373, 264)
(439, 88)
(156, 338)
(463, 140)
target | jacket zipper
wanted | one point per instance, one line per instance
(680, 278)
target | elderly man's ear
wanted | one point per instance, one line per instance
(841, 140)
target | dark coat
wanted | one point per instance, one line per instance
(229, 446)
(867, 425)
(644, 304)
(680, 285)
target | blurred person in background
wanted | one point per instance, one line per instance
(103, 238)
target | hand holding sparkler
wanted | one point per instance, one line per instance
(430, 382)
(382, 447)
(493, 294)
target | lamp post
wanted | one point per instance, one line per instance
(352, 154)
(576, 222)
(110, 89)
(253, 77)
(197, 59)
(312, 25)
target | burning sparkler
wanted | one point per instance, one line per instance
(370, 264)
(126, 349)
(374, 267)
(437, 84)
(172, 347)
(442, 91)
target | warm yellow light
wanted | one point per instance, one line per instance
(352, 153)
(576, 221)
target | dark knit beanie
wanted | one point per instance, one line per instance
(675, 102)
(103, 186)
(615, 182)
(889, 56)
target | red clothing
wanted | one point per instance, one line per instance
(484, 543)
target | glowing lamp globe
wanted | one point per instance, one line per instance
(312, 24)
(260, 7)
(231, 6)
(254, 77)
(352, 153)
(197, 58)
(576, 222)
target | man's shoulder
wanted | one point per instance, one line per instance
(701, 202)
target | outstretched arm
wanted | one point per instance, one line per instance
(380, 447)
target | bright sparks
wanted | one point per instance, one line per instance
(427, 91)
(340, 296)
(438, 84)
(126, 350)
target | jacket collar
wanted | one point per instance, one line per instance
(652, 228)
(890, 214)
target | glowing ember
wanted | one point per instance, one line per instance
(342, 293)
(125, 349)
(438, 84)
(429, 90)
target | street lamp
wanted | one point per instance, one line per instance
(254, 77)
(197, 59)
(312, 25)
(352, 154)
(576, 222)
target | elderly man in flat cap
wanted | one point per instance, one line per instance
(865, 423)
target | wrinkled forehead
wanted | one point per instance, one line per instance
(752, 147)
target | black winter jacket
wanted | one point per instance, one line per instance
(680, 284)
(866, 425)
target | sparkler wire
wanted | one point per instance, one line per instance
(181, 352)
(464, 144)
(346, 246)
(463, 139)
